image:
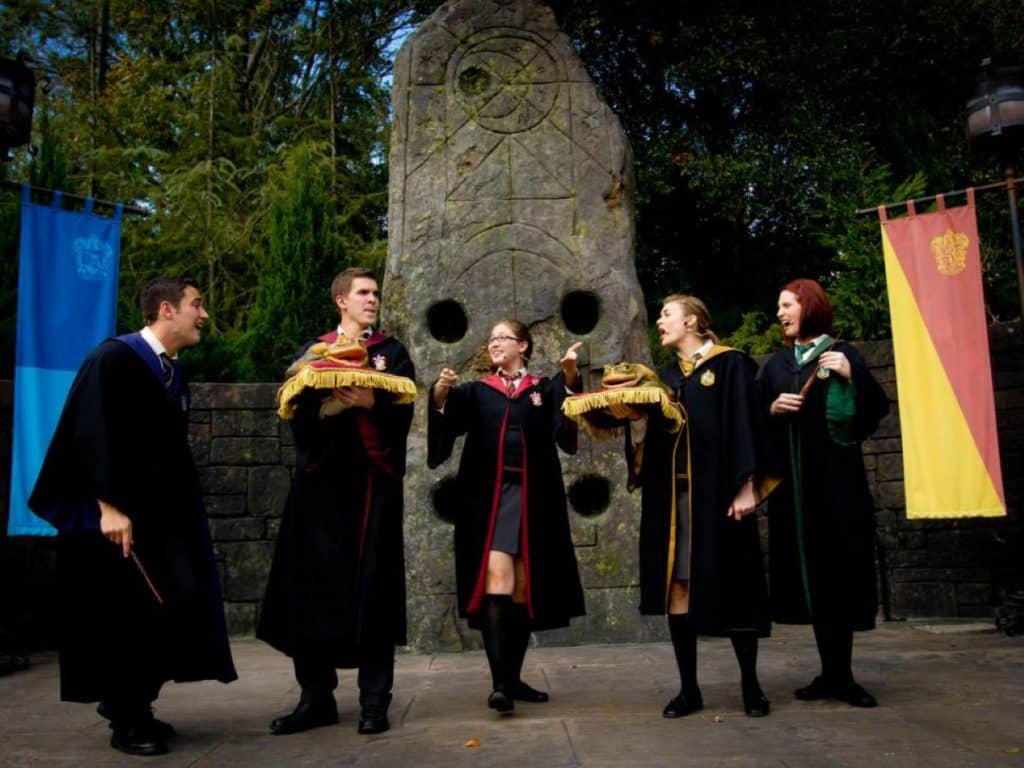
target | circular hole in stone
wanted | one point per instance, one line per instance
(446, 321)
(444, 497)
(474, 81)
(581, 311)
(590, 495)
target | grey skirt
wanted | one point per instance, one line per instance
(510, 512)
(681, 568)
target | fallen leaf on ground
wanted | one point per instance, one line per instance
(472, 743)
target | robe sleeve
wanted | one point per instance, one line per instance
(67, 487)
(744, 428)
(444, 428)
(566, 431)
(872, 402)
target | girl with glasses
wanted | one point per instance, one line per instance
(515, 565)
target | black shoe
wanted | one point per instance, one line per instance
(755, 703)
(160, 729)
(855, 696)
(373, 721)
(523, 692)
(684, 704)
(137, 740)
(309, 713)
(501, 701)
(819, 688)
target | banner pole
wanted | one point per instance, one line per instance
(1011, 193)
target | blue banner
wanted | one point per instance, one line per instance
(67, 302)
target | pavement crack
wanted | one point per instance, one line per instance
(572, 747)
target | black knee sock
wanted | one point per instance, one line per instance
(745, 646)
(497, 638)
(519, 635)
(684, 643)
(835, 647)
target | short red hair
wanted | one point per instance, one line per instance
(815, 308)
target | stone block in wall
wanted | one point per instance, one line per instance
(199, 416)
(908, 558)
(268, 490)
(246, 567)
(244, 450)
(234, 396)
(923, 599)
(221, 480)
(890, 467)
(287, 456)
(974, 593)
(228, 505)
(237, 528)
(950, 576)
(883, 445)
(890, 425)
(273, 528)
(265, 423)
(199, 442)
(240, 618)
(891, 495)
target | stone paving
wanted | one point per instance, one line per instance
(951, 694)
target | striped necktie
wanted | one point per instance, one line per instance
(167, 368)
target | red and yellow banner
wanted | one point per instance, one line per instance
(943, 375)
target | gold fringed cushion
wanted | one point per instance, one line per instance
(629, 392)
(328, 366)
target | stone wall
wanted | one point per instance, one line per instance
(928, 568)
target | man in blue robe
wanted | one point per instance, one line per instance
(140, 598)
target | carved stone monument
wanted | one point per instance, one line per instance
(511, 195)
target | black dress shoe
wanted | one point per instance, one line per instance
(160, 729)
(137, 740)
(501, 701)
(373, 721)
(855, 696)
(755, 703)
(309, 713)
(523, 692)
(684, 704)
(818, 689)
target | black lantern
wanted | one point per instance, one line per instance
(17, 98)
(995, 125)
(995, 113)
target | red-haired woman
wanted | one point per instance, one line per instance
(515, 566)
(821, 520)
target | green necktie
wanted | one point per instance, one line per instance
(802, 350)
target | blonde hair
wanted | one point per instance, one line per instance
(693, 306)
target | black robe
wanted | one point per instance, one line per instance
(337, 581)
(123, 438)
(839, 515)
(481, 411)
(726, 447)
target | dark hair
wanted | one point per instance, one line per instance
(815, 308)
(342, 282)
(693, 306)
(161, 289)
(522, 333)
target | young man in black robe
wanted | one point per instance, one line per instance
(140, 599)
(336, 593)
